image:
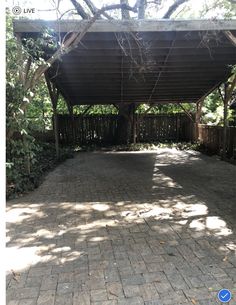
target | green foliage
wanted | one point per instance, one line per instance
(212, 111)
(44, 159)
(26, 111)
(165, 108)
(18, 151)
(96, 109)
(45, 43)
(39, 111)
(61, 106)
(142, 146)
(220, 9)
(213, 108)
(14, 88)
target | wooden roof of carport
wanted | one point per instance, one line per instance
(169, 62)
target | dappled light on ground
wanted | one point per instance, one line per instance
(152, 221)
(19, 258)
(212, 225)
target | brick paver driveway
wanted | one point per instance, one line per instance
(125, 228)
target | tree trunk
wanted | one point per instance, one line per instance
(125, 124)
(224, 148)
(141, 9)
(134, 133)
(173, 8)
(72, 121)
(124, 13)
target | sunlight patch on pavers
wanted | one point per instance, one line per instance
(129, 228)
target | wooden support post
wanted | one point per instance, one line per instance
(54, 94)
(178, 127)
(134, 128)
(56, 133)
(70, 109)
(198, 118)
(225, 127)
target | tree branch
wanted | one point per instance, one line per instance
(141, 9)
(173, 8)
(27, 70)
(63, 14)
(94, 9)
(80, 10)
(72, 42)
(94, 18)
(124, 13)
(220, 94)
(91, 6)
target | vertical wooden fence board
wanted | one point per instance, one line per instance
(102, 128)
(212, 138)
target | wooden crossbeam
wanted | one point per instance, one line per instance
(87, 109)
(187, 112)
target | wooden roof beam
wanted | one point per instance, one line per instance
(34, 26)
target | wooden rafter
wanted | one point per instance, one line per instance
(161, 70)
(101, 73)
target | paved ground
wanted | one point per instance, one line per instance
(125, 228)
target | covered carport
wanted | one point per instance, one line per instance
(130, 228)
(146, 61)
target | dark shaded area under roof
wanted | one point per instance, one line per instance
(143, 61)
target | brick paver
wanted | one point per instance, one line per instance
(125, 228)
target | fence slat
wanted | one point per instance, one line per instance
(212, 138)
(102, 128)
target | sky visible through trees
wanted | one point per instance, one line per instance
(192, 9)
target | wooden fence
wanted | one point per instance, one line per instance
(102, 128)
(212, 139)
